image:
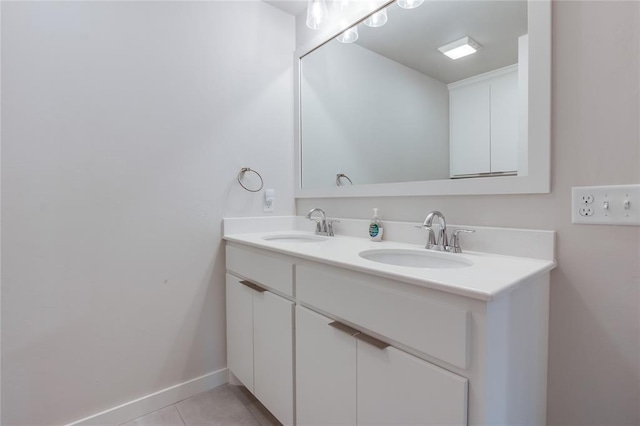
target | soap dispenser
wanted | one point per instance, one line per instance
(375, 227)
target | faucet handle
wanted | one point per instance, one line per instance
(330, 223)
(431, 242)
(455, 240)
(318, 224)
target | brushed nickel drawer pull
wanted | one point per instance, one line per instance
(372, 341)
(344, 328)
(253, 286)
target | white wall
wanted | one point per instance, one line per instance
(125, 125)
(357, 114)
(594, 348)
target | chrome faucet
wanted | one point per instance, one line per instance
(442, 242)
(324, 226)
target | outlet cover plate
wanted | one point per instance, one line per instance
(606, 205)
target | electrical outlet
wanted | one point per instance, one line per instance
(606, 205)
(586, 199)
(268, 200)
(586, 211)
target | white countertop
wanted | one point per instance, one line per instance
(489, 276)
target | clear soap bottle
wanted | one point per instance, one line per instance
(375, 227)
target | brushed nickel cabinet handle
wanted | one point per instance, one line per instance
(253, 286)
(359, 335)
(344, 328)
(372, 341)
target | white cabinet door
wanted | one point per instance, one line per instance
(395, 388)
(273, 354)
(470, 130)
(240, 331)
(325, 372)
(504, 122)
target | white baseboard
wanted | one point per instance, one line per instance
(155, 401)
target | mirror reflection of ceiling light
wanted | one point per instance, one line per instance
(348, 36)
(409, 4)
(460, 48)
(341, 4)
(378, 19)
(317, 13)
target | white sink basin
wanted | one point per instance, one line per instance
(416, 258)
(294, 238)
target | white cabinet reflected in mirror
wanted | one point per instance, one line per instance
(391, 114)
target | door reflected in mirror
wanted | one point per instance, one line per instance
(393, 106)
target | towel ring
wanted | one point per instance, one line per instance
(245, 170)
(342, 175)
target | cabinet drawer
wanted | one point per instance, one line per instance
(433, 328)
(273, 273)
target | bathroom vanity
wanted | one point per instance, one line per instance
(322, 335)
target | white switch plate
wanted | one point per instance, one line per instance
(606, 205)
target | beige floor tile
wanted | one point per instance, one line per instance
(243, 394)
(168, 416)
(219, 407)
(263, 415)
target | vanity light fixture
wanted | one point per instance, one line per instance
(317, 13)
(348, 36)
(409, 4)
(378, 19)
(460, 48)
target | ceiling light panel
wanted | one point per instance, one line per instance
(460, 48)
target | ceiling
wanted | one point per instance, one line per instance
(292, 7)
(412, 37)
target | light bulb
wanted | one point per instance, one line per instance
(409, 4)
(378, 19)
(341, 4)
(317, 13)
(348, 36)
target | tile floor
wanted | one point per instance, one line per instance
(226, 405)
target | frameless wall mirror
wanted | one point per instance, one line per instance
(450, 97)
